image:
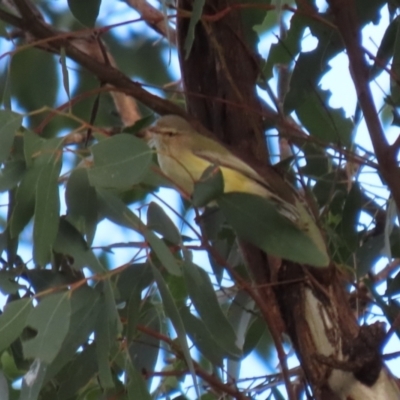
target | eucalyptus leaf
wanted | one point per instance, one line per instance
(197, 10)
(203, 296)
(81, 201)
(119, 162)
(51, 319)
(9, 124)
(85, 12)
(85, 308)
(115, 210)
(201, 337)
(208, 187)
(158, 220)
(70, 242)
(258, 221)
(13, 321)
(173, 313)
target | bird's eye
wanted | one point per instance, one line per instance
(171, 134)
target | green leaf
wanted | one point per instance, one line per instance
(394, 85)
(323, 122)
(82, 203)
(70, 242)
(318, 164)
(33, 380)
(43, 279)
(86, 12)
(201, 337)
(370, 11)
(202, 294)
(252, 22)
(85, 308)
(116, 211)
(208, 187)
(253, 335)
(51, 319)
(257, 221)
(13, 321)
(285, 51)
(239, 316)
(312, 65)
(144, 349)
(172, 311)
(4, 391)
(36, 86)
(8, 284)
(158, 220)
(47, 207)
(11, 174)
(32, 148)
(24, 202)
(347, 229)
(108, 328)
(367, 255)
(197, 10)
(65, 74)
(140, 124)
(136, 386)
(386, 48)
(80, 371)
(119, 162)
(134, 276)
(9, 125)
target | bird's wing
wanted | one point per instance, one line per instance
(285, 206)
(230, 161)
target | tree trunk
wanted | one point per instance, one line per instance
(340, 360)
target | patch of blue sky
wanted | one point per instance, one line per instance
(170, 56)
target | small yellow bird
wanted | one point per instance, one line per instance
(183, 155)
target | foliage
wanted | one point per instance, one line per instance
(110, 289)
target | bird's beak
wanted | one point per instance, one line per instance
(149, 135)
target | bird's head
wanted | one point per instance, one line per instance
(169, 130)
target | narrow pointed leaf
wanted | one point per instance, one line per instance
(116, 211)
(85, 308)
(172, 311)
(47, 201)
(119, 162)
(70, 242)
(82, 203)
(51, 320)
(137, 389)
(209, 187)
(25, 202)
(194, 19)
(33, 380)
(85, 12)
(202, 294)
(159, 221)
(13, 321)
(202, 338)
(314, 113)
(9, 124)
(257, 221)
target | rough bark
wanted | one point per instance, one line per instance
(219, 78)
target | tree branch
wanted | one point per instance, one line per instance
(105, 73)
(154, 18)
(346, 20)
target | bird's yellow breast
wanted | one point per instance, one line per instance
(187, 168)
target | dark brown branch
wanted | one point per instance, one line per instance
(212, 380)
(154, 18)
(105, 73)
(349, 28)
